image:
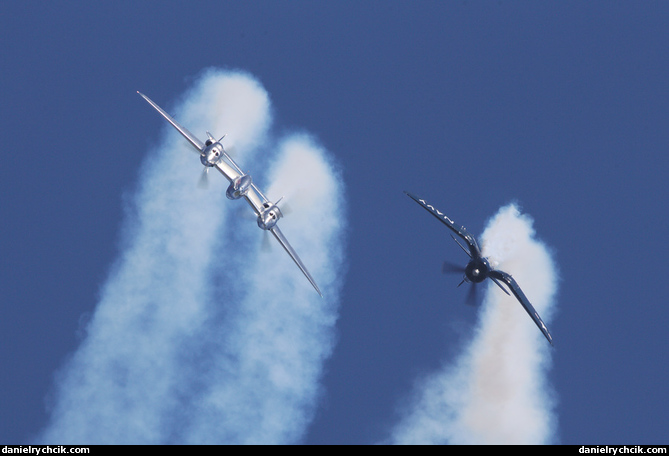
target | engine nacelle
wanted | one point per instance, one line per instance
(477, 270)
(269, 216)
(212, 154)
(239, 187)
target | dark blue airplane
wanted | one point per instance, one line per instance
(478, 269)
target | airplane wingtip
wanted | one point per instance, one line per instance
(313, 284)
(311, 280)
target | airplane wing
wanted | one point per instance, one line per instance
(474, 250)
(518, 293)
(287, 247)
(199, 145)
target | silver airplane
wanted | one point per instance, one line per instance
(479, 268)
(213, 155)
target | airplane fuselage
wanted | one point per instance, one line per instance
(239, 187)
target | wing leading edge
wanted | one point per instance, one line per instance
(289, 249)
(199, 145)
(475, 251)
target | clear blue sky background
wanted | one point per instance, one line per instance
(561, 106)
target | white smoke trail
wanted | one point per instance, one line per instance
(496, 392)
(282, 330)
(180, 317)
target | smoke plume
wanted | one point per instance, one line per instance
(200, 334)
(496, 391)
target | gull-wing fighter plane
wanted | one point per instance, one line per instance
(213, 155)
(479, 268)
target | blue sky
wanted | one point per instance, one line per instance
(561, 107)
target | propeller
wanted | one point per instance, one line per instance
(286, 209)
(472, 295)
(204, 177)
(266, 245)
(213, 140)
(452, 268)
(203, 182)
